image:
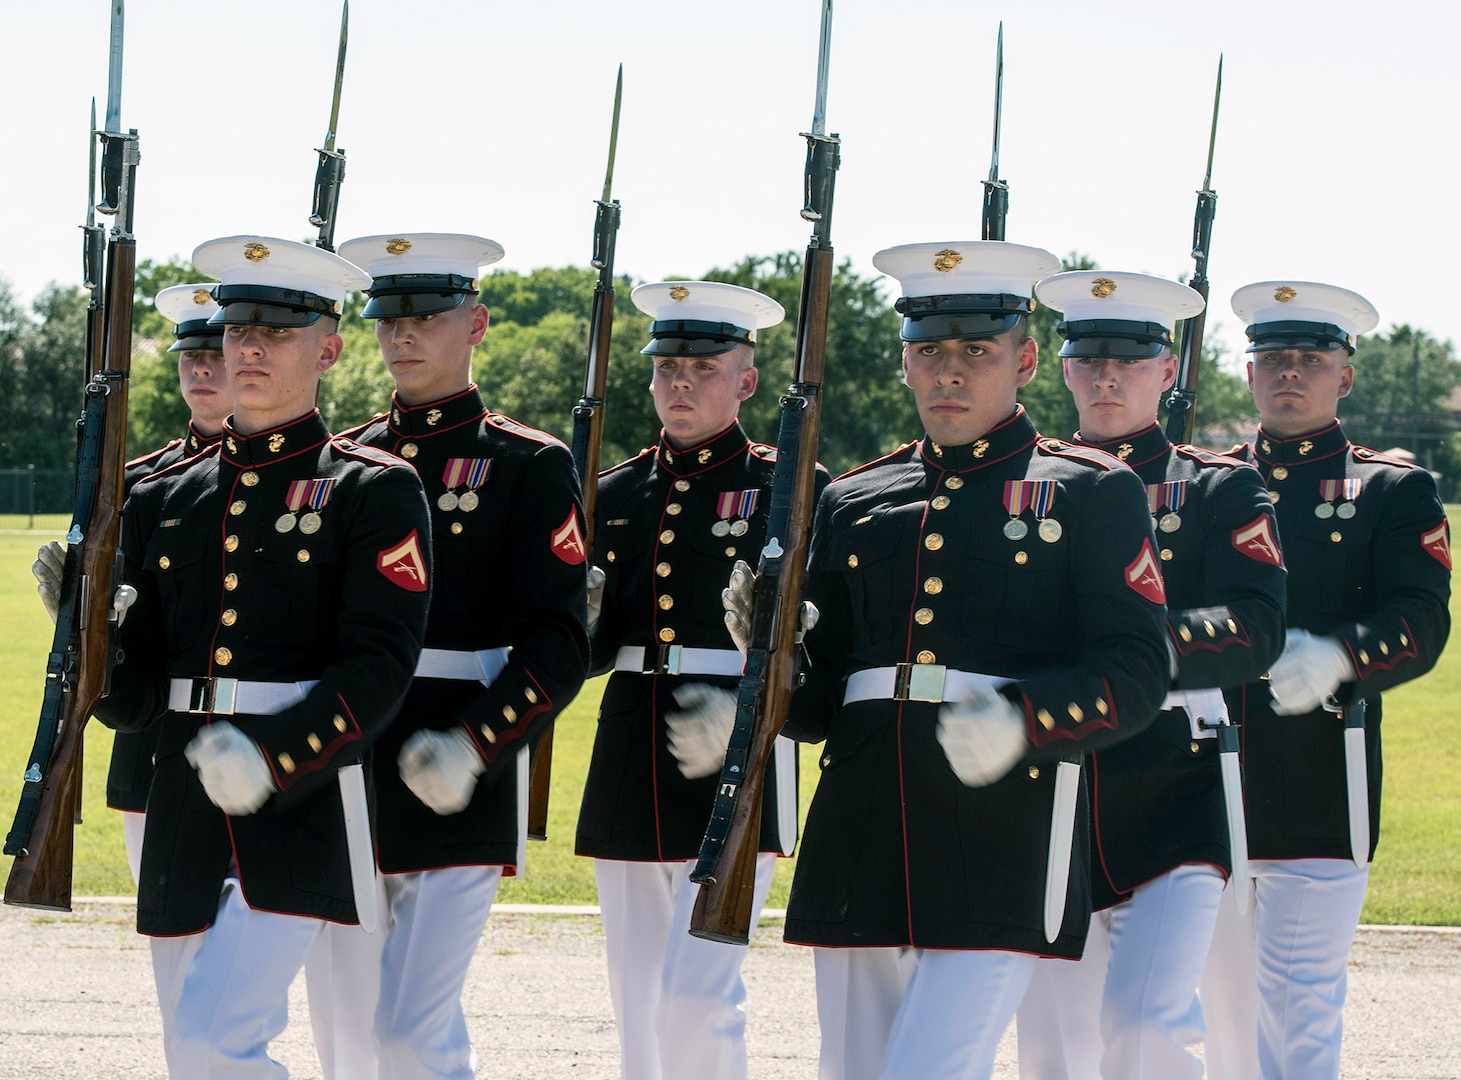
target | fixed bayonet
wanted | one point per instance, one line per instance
(111, 134)
(607, 223)
(1182, 404)
(93, 245)
(819, 144)
(331, 169)
(996, 191)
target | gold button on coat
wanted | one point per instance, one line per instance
(933, 541)
(230, 582)
(954, 483)
(926, 657)
(933, 586)
(222, 657)
(667, 537)
(923, 616)
(667, 634)
(666, 602)
(250, 478)
(940, 502)
(231, 544)
(164, 562)
(662, 570)
(238, 508)
(229, 617)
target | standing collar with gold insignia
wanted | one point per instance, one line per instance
(196, 442)
(276, 444)
(1006, 439)
(421, 421)
(1145, 445)
(727, 446)
(1301, 449)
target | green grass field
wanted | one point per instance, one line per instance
(1416, 878)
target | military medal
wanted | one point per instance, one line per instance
(1040, 502)
(735, 504)
(1329, 490)
(1017, 495)
(458, 471)
(1171, 495)
(312, 493)
(1051, 530)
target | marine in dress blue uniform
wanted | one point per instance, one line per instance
(1160, 847)
(990, 602)
(1368, 552)
(506, 648)
(282, 582)
(672, 522)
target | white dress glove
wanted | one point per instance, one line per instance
(232, 768)
(1310, 669)
(700, 732)
(596, 578)
(983, 736)
(441, 768)
(736, 599)
(48, 570)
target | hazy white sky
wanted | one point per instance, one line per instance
(1336, 159)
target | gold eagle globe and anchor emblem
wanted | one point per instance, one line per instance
(1284, 293)
(399, 246)
(1102, 287)
(678, 292)
(255, 252)
(946, 260)
(201, 296)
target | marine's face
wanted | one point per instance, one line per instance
(963, 389)
(697, 397)
(430, 356)
(203, 380)
(275, 371)
(1117, 396)
(1297, 391)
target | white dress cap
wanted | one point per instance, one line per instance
(1112, 313)
(965, 290)
(1303, 315)
(188, 308)
(703, 318)
(285, 282)
(420, 273)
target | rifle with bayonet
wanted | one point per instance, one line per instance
(996, 191)
(83, 648)
(588, 427)
(330, 172)
(726, 869)
(1182, 404)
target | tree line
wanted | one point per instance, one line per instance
(531, 367)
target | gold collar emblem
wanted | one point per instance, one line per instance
(703, 456)
(946, 260)
(938, 451)
(1284, 293)
(678, 292)
(1124, 451)
(433, 418)
(1305, 447)
(398, 246)
(201, 296)
(981, 448)
(255, 252)
(276, 443)
(1102, 287)
(1267, 447)
(232, 446)
(669, 458)
(396, 416)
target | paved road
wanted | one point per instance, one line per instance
(76, 1001)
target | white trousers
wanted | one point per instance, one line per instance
(679, 1002)
(134, 824)
(342, 978)
(915, 1014)
(436, 920)
(225, 992)
(1275, 982)
(1127, 1009)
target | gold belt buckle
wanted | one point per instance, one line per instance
(919, 682)
(213, 696)
(669, 660)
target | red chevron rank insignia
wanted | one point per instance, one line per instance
(1145, 577)
(567, 540)
(403, 565)
(1438, 543)
(1256, 541)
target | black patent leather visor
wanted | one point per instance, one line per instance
(1292, 334)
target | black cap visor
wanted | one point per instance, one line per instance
(197, 334)
(265, 305)
(400, 296)
(1119, 338)
(695, 337)
(1292, 334)
(970, 317)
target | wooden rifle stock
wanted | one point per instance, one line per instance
(727, 868)
(79, 665)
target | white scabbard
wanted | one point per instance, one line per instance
(357, 841)
(1356, 774)
(1062, 832)
(1237, 822)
